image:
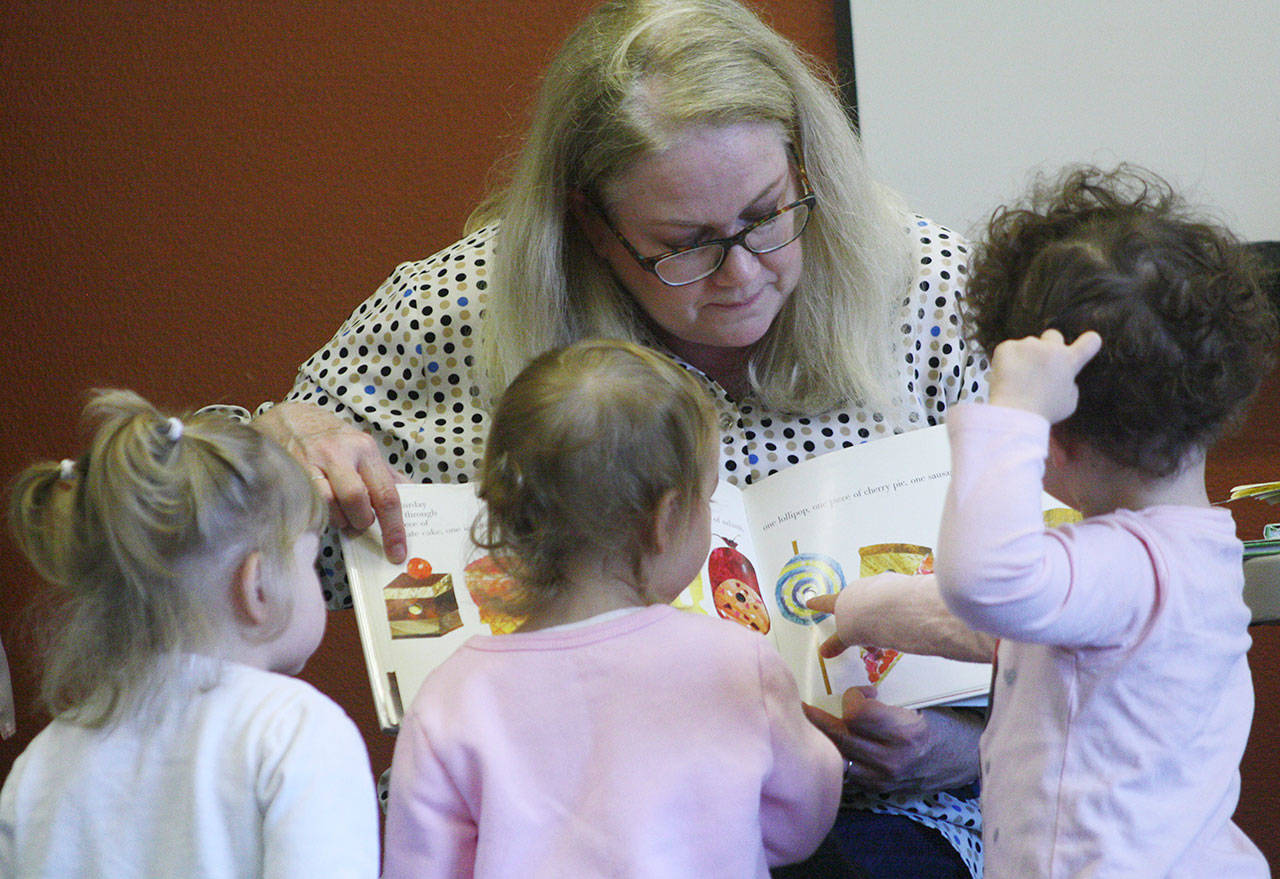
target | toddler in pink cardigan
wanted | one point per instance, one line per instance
(1124, 334)
(611, 734)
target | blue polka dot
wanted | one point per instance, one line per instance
(433, 367)
(921, 223)
(462, 300)
(935, 331)
(369, 389)
(753, 459)
(417, 349)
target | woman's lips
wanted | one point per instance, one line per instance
(738, 304)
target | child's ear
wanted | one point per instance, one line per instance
(249, 598)
(589, 221)
(1062, 447)
(668, 520)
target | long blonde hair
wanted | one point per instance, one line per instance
(627, 82)
(135, 532)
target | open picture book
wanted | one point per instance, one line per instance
(813, 528)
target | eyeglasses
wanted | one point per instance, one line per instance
(685, 265)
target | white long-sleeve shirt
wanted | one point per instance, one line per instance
(258, 777)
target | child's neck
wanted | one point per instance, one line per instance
(591, 591)
(1103, 487)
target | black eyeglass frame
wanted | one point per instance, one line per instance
(650, 263)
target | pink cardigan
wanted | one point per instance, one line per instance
(1123, 698)
(657, 743)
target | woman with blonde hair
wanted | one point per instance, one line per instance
(689, 182)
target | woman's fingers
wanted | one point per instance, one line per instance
(350, 473)
(380, 481)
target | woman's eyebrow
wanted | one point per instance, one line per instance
(769, 192)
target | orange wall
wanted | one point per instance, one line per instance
(194, 197)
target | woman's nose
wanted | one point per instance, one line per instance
(739, 266)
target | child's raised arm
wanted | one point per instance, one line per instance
(1038, 373)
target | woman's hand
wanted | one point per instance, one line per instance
(350, 472)
(896, 749)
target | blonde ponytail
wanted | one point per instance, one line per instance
(133, 533)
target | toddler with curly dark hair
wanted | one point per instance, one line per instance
(1124, 332)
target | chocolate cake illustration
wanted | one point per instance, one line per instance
(421, 606)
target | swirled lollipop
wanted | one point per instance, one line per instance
(807, 575)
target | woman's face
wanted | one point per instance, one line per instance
(710, 184)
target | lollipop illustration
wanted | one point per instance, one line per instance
(807, 575)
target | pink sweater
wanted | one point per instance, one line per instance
(659, 743)
(1123, 697)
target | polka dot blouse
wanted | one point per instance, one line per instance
(403, 369)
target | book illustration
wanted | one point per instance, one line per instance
(806, 576)
(693, 598)
(735, 591)
(1062, 516)
(490, 586)
(736, 601)
(904, 558)
(420, 603)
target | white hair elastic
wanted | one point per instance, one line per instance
(66, 470)
(175, 429)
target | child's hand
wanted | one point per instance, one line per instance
(867, 611)
(834, 645)
(903, 612)
(1038, 373)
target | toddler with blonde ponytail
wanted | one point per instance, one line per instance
(183, 554)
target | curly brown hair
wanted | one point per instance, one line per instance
(1188, 332)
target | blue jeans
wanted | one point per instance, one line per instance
(894, 847)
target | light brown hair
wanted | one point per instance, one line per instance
(584, 444)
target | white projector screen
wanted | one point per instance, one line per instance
(961, 102)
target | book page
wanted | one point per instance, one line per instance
(815, 527)
(822, 524)
(412, 616)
